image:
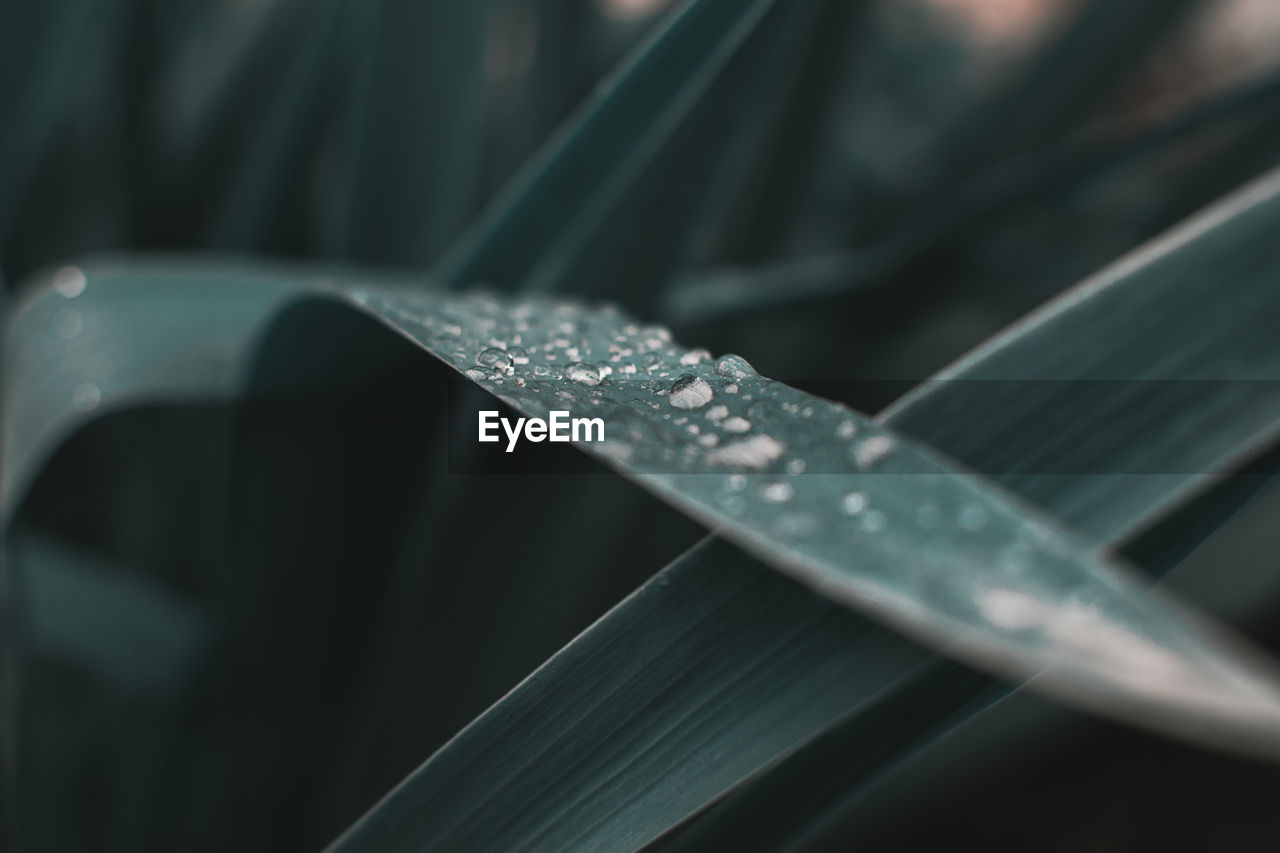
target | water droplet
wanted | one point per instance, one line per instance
(651, 361)
(70, 282)
(690, 392)
(736, 423)
(717, 413)
(519, 355)
(735, 482)
(755, 452)
(478, 374)
(871, 450)
(731, 388)
(847, 429)
(734, 367)
(796, 466)
(853, 503)
(973, 517)
(694, 356)
(495, 359)
(655, 336)
(777, 493)
(86, 396)
(583, 374)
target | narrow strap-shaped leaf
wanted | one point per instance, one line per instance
(1186, 256)
(413, 171)
(1155, 321)
(607, 142)
(996, 584)
(771, 467)
(951, 217)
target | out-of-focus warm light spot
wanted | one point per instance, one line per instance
(630, 10)
(1001, 21)
(1239, 36)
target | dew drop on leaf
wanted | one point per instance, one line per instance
(777, 493)
(690, 392)
(736, 423)
(70, 282)
(871, 450)
(853, 503)
(755, 452)
(583, 374)
(495, 359)
(734, 367)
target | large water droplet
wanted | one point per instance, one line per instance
(519, 355)
(690, 392)
(495, 359)
(734, 367)
(583, 374)
(755, 452)
(871, 450)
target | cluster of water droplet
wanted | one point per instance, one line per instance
(740, 444)
(789, 469)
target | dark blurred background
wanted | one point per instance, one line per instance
(308, 599)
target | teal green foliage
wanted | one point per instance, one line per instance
(261, 590)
